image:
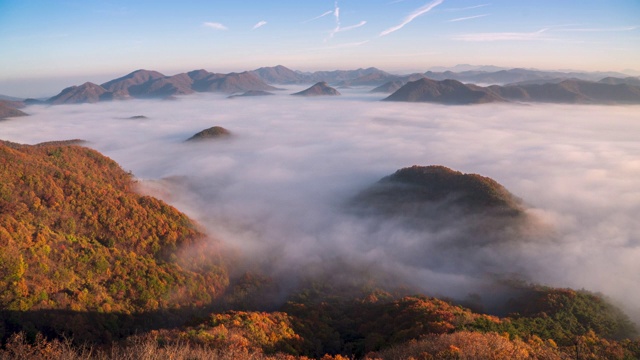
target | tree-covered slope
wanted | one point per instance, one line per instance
(74, 236)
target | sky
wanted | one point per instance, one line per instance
(97, 40)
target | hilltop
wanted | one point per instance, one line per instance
(319, 89)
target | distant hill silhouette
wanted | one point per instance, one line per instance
(319, 89)
(359, 77)
(634, 81)
(252, 93)
(279, 75)
(162, 87)
(152, 84)
(449, 92)
(508, 76)
(11, 109)
(85, 93)
(135, 78)
(231, 83)
(448, 88)
(573, 91)
(389, 87)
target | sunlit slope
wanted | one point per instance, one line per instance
(74, 236)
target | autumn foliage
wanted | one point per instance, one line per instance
(74, 236)
(89, 269)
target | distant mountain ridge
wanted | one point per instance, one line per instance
(502, 77)
(152, 84)
(572, 91)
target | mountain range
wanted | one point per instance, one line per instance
(452, 87)
(453, 92)
(152, 84)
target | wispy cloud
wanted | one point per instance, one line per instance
(215, 25)
(502, 36)
(467, 18)
(466, 8)
(351, 27)
(420, 11)
(319, 16)
(336, 15)
(259, 24)
(338, 28)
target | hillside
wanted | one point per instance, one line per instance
(76, 238)
(85, 93)
(232, 83)
(135, 78)
(9, 108)
(450, 92)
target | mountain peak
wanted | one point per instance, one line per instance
(319, 89)
(448, 91)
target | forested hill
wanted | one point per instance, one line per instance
(74, 236)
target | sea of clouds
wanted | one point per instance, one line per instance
(275, 191)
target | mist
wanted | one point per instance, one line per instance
(276, 191)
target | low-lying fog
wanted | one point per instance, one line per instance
(275, 190)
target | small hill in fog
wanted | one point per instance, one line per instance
(418, 185)
(467, 209)
(251, 93)
(215, 132)
(319, 89)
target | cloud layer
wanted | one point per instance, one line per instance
(276, 191)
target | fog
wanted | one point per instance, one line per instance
(275, 192)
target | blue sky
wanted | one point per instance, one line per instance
(105, 38)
